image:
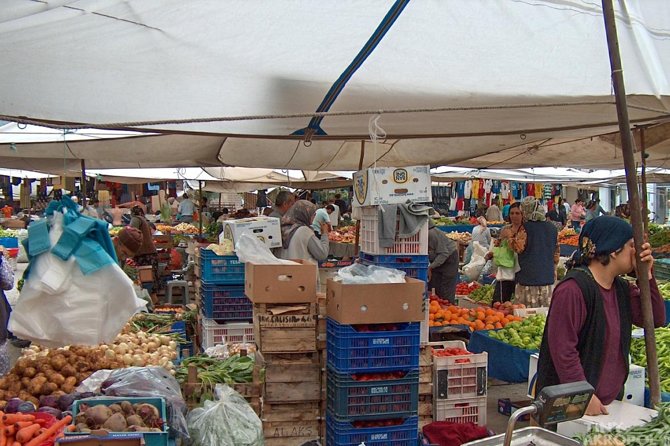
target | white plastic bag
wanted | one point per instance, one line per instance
(250, 249)
(362, 274)
(59, 305)
(474, 268)
(228, 422)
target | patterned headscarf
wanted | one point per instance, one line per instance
(137, 211)
(532, 209)
(300, 214)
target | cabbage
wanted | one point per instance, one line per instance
(13, 405)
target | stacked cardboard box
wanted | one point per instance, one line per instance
(373, 362)
(285, 329)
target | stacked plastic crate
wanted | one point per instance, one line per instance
(408, 254)
(226, 311)
(459, 384)
(373, 364)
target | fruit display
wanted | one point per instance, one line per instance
(652, 432)
(461, 237)
(344, 234)
(480, 318)
(660, 237)
(526, 334)
(454, 351)
(483, 294)
(465, 288)
(444, 221)
(507, 307)
(638, 354)
(185, 228)
(568, 236)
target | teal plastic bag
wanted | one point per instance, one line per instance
(503, 255)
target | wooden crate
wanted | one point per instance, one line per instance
(285, 328)
(426, 388)
(425, 374)
(292, 382)
(425, 405)
(291, 424)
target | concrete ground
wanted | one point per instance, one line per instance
(496, 390)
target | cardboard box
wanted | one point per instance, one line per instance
(376, 303)
(390, 185)
(281, 283)
(266, 229)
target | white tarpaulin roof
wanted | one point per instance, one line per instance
(465, 78)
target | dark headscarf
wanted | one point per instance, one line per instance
(602, 235)
(300, 214)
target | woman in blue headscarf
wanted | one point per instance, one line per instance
(588, 330)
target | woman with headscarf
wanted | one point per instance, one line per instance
(298, 238)
(535, 280)
(481, 233)
(588, 330)
(514, 237)
(146, 254)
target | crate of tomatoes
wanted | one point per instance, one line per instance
(458, 373)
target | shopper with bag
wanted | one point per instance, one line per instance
(6, 284)
(443, 268)
(146, 255)
(511, 241)
(298, 239)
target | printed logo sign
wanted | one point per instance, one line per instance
(361, 186)
(400, 176)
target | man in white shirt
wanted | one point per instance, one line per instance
(186, 209)
(335, 215)
(322, 216)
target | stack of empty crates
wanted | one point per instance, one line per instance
(459, 385)
(285, 328)
(373, 340)
(225, 309)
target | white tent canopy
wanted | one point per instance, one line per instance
(464, 79)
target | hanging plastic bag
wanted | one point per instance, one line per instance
(250, 249)
(59, 305)
(362, 274)
(474, 268)
(503, 255)
(228, 422)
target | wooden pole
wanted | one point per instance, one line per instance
(634, 198)
(200, 211)
(358, 222)
(83, 183)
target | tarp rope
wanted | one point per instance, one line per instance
(127, 124)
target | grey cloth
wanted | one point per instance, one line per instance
(440, 248)
(412, 218)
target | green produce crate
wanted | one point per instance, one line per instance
(150, 438)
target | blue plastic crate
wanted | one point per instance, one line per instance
(225, 303)
(343, 433)
(221, 269)
(9, 242)
(351, 349)
(350, 397)
(150, 438)
(414, 266)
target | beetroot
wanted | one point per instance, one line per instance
(51, 411)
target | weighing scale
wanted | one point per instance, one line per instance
(555, 404)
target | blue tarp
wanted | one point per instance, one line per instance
(506, 362)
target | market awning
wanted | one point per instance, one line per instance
(453, 82)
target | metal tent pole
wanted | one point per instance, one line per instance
(83, 183)
(358, 222)
(634, 197)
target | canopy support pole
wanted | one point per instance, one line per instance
(200, 211)
(83, 183)
(634, 197)
(358, 222)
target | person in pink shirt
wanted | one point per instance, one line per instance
(577, 214)
(587, 335)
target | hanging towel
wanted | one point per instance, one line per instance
(413, 217)
(387, 221)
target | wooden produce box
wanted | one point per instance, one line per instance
(285, 328)
(291, 424)
(426, 406)
(291, 378)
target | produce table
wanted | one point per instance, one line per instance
(342, 250)
(462, 228)
(506, 362)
